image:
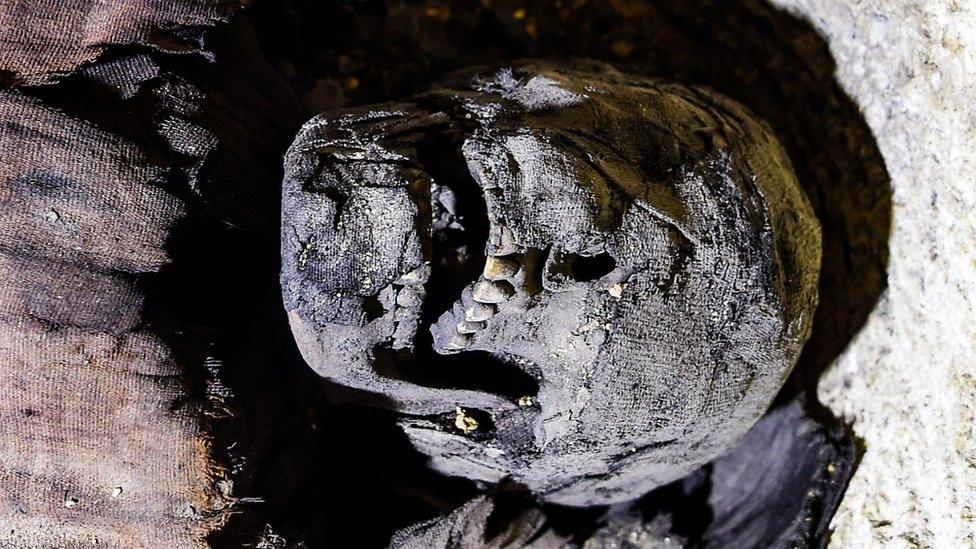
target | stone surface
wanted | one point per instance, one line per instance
(907, 381)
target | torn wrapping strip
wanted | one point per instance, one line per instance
(43, 41)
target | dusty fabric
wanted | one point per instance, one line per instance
(47, 39)
(464, 527)
(91, 409)
(468, 526)
(110, 415)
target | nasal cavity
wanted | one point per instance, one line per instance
(460, 225)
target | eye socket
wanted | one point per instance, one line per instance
(587, 268)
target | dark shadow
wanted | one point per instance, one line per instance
(301, 467)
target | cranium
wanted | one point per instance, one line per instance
(639, 249)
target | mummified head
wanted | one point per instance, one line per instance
(589, 282)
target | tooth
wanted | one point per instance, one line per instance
(405, 314)
(480, 312)
(480, 173)
(458, 342)
(464, 327)
(497, 268)
(487, 291)
(617, 290)
(464, 422)
(403, 334)
(494, 236)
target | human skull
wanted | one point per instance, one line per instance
(640, 249)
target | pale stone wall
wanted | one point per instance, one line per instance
(908, 381)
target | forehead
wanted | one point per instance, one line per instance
(590, 145)
(541, 191)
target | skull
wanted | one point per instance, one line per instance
(585, 281)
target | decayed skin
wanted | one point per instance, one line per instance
(651, 263)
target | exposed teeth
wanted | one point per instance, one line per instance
(479, 312)
(464, 422)
(470, 327)
(497, 268)
(458, 342)
(487, 291)
(506, 244)
(617, 290)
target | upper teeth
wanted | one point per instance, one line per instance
(494, 286)
(465, 327)
(479, 312)
(487, 291)
(617, 290)
(497, 268)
